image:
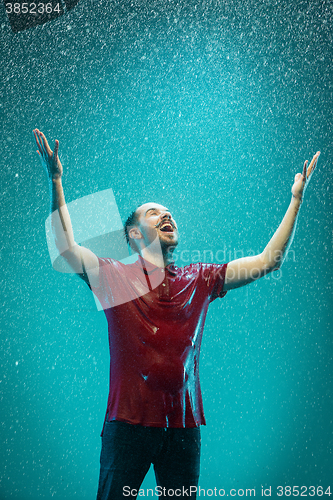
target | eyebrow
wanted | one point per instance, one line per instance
(156, 209)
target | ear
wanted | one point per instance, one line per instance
(135, 233)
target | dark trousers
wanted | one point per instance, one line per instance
(129, 450)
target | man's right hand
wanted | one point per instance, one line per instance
(50, 160)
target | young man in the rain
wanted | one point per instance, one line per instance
(156, 313)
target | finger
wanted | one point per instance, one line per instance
(45, 143)
(304, 169)
(56, 149)
(38, 143)
(313, 164)
(297, 177)
(311, 169)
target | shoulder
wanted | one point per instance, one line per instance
(109, 263)
(199, 269)
(189, 270)
(208, 277)
(111, 270)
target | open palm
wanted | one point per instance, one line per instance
(49, 159)
(302, 180)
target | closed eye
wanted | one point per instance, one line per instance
(152, 210)
(156, 211)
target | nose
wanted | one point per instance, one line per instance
(166, 215)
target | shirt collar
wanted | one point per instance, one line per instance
(149, 268)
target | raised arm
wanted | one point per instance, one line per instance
(82, 260)
(242, 271)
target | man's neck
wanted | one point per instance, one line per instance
(158, 259)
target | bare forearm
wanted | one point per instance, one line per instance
(60, 220)
(279, 244)
(80, 259)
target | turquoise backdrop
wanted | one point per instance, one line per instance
(209, 107)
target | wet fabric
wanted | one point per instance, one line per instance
(129, 450)
(155, 339)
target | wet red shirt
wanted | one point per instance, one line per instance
(155, 320)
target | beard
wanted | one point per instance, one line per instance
(159, 242)
(168, 248)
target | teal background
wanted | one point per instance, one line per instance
(209, 108)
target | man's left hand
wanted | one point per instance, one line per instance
(302, 180)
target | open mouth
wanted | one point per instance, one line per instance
(166, 227)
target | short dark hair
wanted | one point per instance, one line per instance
(131, 221)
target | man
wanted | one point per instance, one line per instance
(156, 313)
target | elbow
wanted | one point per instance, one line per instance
(271, 261)
(64, 244)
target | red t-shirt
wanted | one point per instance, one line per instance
(155, 319)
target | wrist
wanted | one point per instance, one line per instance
(56, 179)
(55, 184)
(296, 201)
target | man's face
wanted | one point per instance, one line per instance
(156, 220)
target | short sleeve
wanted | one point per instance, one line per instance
(118, 284)
(109, 277)
(215, 274)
